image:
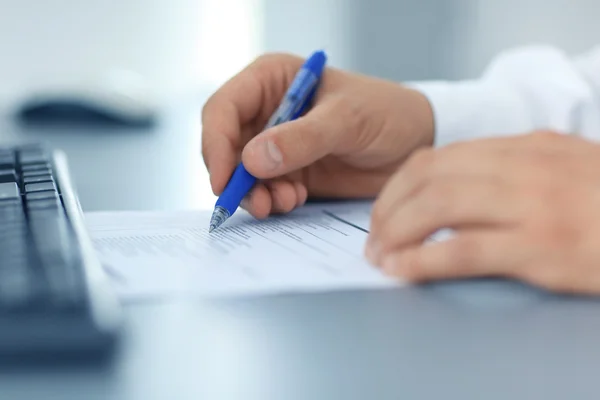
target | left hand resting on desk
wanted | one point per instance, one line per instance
(524, 207)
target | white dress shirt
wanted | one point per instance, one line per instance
(523, 89)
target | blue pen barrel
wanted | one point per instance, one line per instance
(234, 193)
(295, 101)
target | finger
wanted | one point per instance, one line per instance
(283, 195)
(560, 277)
(258, 203)
(519, 158)
(424, 165)
(429, 164)
(296, 144)
(220, 160)
(541, 140)
(253, 92)
(401, 183)
(222, 123)
(477, 253)
(301, 194)
(451, 203)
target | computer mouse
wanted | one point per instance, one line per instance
(120, 102)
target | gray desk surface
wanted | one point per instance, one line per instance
(485, 340)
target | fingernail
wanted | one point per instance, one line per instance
(245, 203)
(269, 155)
(373, 251)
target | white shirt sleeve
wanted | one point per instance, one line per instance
(523, 89)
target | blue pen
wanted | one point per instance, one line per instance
(292, 106)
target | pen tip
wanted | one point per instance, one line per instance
(219, 216)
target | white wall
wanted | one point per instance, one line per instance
(180, 44)
(302, 27)
(572, 25)
(174, 44)
(420, 39)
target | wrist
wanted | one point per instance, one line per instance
(422, 121)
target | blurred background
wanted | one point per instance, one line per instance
(180, 51)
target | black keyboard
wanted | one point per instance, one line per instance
(54, 297)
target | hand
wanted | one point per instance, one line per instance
(352, 140)
(525, 207)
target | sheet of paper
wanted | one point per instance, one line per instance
(316, 248)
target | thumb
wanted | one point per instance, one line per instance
(295, 144)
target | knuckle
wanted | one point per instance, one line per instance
(464, 253)
(273, 57)
(378, 216)
(420, 160)
(414, 267)
(264, 59)
(269, 66)
(207, 106)
(385, 239)
(387, 234)
(438, 198)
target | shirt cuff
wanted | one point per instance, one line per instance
(466, 110)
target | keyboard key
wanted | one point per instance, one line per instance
(44, 204)
(14, 246)
(16, 289)
(8, 175)
(9, 190)
(11, 214)
(55, 244)
(13, 235)
(51, 233)
(11, 208)
(42, 272)
(41, 195)
(38, 178)
(44, 213)
(11, 230)
(11, 205)
(38, 187)
(33, 146)
(40, 172)
(12, 202)
(7, 161)
(66, 287)
(36, 167)
(33, 157)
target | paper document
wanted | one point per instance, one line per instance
(315, 248)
